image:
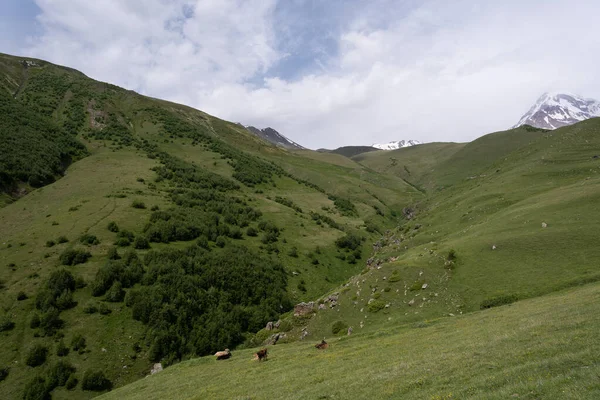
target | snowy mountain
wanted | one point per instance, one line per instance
(395, 145)
(271, 135)
(553, 110)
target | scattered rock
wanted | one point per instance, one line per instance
(494, 247)
(349, 330)
(273, 339)
(156, 368)
(408, 213)
(322, 306)
(277, 324)
(544, 225)
(303, 309)
(410, 303)
(103, 350)
(269, 326)
(424, 286)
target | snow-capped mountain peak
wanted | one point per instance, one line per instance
(396, 145)
(554, 110)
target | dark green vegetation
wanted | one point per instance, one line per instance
(180, 234)
(350, 151)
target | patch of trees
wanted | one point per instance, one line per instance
(344, 206)
(319, 219)
(34, 150)
(195, 301)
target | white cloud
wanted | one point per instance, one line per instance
(442, 71)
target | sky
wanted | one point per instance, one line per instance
(326, 73)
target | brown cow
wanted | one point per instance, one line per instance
(261, 355)
(223, 355)
(322, 346)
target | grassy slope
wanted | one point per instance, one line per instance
(101, 188)
(541, 348)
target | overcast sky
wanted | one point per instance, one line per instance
(326, 73)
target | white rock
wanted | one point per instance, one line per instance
(424, 286)
(544, 225)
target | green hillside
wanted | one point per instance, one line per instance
(152, 232)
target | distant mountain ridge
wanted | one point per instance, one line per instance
(271, 135)
(395, 145)
(555, 110)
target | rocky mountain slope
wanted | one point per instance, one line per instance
(554, 110)
(272, 136)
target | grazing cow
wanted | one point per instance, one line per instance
(261, 355)
(322, 346)
(223, 355)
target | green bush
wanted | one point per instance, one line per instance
(35, 321)
(78, 342)
(36, 355)
(71, 382)
(74, 256)
(141, 243)
(293, 252)
(37, 389)
(116, 293)
(113, 227)
(50, 243)
(376, 305)
(138, 204)
(59, 374)
(113, 254)
(95, 381)
(339, 327)
(498, 301)
(103, 309)
(61, 349)
(251, 231)
(3, 373)
(6, 324)
(89, 240)
(90, 308)
(350, 242)
(451, 255)
(62, 239)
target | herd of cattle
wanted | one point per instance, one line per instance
(261, 355)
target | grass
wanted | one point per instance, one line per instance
(541, 348)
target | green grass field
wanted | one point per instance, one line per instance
(545, 348)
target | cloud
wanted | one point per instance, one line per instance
(362, 72)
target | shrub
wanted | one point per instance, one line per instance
(6, 324)
(293, 252)
(395, 276)
(103, 309)
(95, 381)
(113, 254)
(89, 240)
(339, 327)
(62, 239)
(451, 255)
(138, 204)
(50, 243)
(251, 231)
(65, 300)
(35, 321)
(59, 373)
(71, 382)
(498, 301)
(3, 373)
(141, 243)
(113, 227)
(350, 242)
(74, 256)
(376, 305)
(61, 349)
(50, 321)
(116, 293)
(78, 342)
(90, 308)
(36, 355)
(36, 389)
(221, 241)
